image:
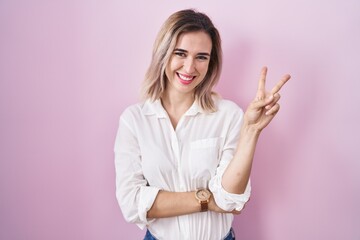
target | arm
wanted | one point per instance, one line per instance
(258, 115)
(170, 204)
(134, 195)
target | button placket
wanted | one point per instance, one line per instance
(175, 148)
(178, 135)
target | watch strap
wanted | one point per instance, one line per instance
(204, 206)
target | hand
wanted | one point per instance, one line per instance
(215, 208)
(265, 105)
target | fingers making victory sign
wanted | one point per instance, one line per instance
(265, 105)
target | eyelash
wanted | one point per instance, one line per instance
(202, 58)
(181, 54)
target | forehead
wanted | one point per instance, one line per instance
(194, 42)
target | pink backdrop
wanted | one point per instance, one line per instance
(69, 68)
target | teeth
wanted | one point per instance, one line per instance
(185, 77)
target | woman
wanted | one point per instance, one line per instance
(183, 156)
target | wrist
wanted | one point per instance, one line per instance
(203, 196)
(250, 130)
(212, 204)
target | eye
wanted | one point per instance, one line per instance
(202, 57)
(180, 54)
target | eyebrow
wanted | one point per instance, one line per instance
(184, 51)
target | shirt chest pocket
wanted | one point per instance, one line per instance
(204, 157)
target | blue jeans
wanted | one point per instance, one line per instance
(229, 236)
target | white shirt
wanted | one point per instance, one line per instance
(151, 156)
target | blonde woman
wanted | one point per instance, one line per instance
(183, 156)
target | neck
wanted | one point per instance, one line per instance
(177, 102)
(176, 105)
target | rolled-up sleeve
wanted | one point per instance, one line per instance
(134, 195)
(225, 200)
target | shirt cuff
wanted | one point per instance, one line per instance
(147, 197)
(228, 201)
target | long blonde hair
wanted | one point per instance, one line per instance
(182, 21)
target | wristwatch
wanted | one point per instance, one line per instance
(203, 196)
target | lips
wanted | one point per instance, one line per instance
(185, 79)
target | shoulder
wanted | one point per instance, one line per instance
(228, 107)
(132, 112)
(139, 111)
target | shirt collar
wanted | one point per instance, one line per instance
(155, 108)
(194, 109)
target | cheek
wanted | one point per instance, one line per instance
(203, 68)
(169, 69)
(174, 63)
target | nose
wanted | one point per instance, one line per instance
(189, 65)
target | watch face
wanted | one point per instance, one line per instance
(203, 194)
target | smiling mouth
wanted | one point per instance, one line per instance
(185, 79)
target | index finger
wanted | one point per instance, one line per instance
(280, 84)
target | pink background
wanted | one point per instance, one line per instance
(69, 68)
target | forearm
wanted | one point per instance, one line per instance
(258, 115)
(170, 204)
(237, 174)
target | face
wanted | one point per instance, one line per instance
(189, 63)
